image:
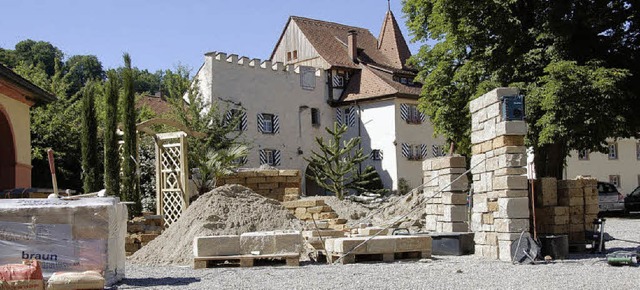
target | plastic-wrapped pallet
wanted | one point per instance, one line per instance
(65, 235)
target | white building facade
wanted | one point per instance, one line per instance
(318, 73)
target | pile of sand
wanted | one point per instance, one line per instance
(227, 210)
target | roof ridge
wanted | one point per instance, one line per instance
(327, 23)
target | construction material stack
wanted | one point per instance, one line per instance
(141, 231)
(65, 235)
(566, 207)
(281, 185)
(310, 210)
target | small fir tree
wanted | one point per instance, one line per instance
(89, 139)
(130, 159)
(335, 167)
(111, 158)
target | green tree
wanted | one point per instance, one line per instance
(89, 141)
(130, 188)
(111, 156)
(218, 163)
(38, 53)
(335, 166)
(368, 181)
(80, 70)
(480, 45)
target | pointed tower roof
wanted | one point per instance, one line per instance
(391, 42)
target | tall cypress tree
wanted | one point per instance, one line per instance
(111, 158)
(89, 139)
(130, 158)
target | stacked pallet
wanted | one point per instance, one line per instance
(310, 210)
(281, 185)
(141, 231)
(384, 248)
(566, 207)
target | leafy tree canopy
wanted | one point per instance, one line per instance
(567, 57)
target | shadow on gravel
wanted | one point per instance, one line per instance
(150, 282)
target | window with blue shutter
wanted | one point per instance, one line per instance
(414, 151)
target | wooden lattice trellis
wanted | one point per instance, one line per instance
(171, 175)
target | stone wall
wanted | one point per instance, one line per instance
(447, 210)
(566, 207)
(281, 185)
(308, 210)
(500, 210)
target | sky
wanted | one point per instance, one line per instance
(161, 34)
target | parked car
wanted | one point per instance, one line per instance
(609, 198)
(632, 201)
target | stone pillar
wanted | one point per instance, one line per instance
(447, 210)
(500, 210)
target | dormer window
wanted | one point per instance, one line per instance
(339, 78)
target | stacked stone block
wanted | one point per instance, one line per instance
(500, 210)
(281, 185)
(446, 210)
(141, 231)
(308, 210)
(571, 212)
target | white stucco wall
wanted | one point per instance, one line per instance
(260, 87)
(411, 170)
(600, 166)
(377, 120)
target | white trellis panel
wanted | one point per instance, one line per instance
(171, 176)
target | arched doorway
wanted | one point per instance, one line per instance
(311, 187)
(7, 154)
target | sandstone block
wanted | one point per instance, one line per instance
(476, 104)
(502, 141)
(517, 128)
(303, 203)
(562, 184)
(510, 182)
(454, 213)
(454, 198)
(455, 227)
(268, 172)
(517, 207)
(288, 172)
(461, 184)
(272, 242)
(256, 179)
(381, 244)
(216, 246)
(511, 225)
(413, 243)
(510, 171)
(480, 203)
(512, 193)
(511, 160)
(449, 162)
(370, 231)
(343, 245)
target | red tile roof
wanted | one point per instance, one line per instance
(392, 43)
(158, 105)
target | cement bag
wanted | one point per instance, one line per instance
(26, 276)
(75, 280)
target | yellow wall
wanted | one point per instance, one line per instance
(18, 114)
(599, 166)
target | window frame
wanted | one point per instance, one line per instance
(295, 54)
(615, 180)
(413, 116)
(269, 156)
(315, 117)
(613, 154)
(267, 118)
(583, 155)
(375, 154)
(638, 150)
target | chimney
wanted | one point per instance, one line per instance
(352, 45)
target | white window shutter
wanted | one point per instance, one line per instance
(276, 158)
(243, 122)
(423, 117)
(406, 150)
(352, 116)
(260, 124)
(263, 157)
(435, 150)
(276, 124)
(339, 116)
(404, 112)
(228, 116)
(424, 152)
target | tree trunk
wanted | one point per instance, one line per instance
(549, 160)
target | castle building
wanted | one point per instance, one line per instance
(319, 73)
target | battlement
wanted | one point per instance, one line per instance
(256, 63)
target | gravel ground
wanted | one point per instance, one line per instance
(441, 272)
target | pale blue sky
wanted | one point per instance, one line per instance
(160, 34)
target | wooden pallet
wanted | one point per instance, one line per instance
(243, 260)
(384, 257)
